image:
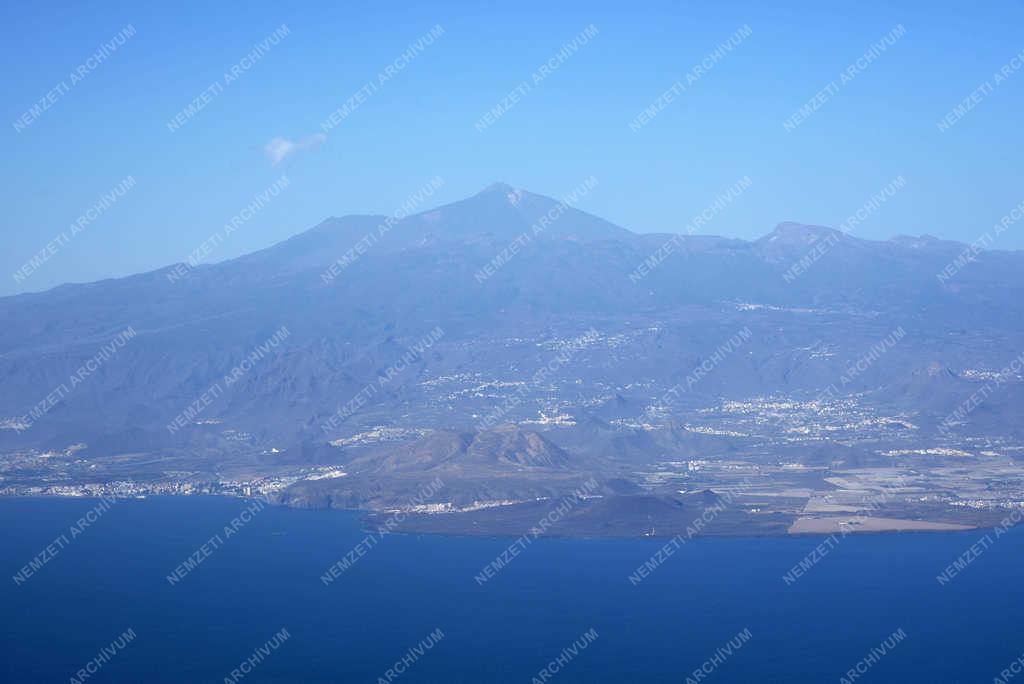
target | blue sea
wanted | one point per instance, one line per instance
(526, 624)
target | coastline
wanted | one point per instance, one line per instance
(441, 524)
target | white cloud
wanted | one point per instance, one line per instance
(279, 149)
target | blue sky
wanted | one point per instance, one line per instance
(419, 124)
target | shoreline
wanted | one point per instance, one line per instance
(366, 516)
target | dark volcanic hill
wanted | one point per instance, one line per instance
(490, 452)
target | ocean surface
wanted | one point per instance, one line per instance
(111, 576)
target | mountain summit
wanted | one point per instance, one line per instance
(504, 212)
(790, 233)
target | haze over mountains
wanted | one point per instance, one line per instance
(513, 283)
(422, 273)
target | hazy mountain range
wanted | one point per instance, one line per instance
(320, 339)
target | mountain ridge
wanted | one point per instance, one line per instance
(337, 233)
